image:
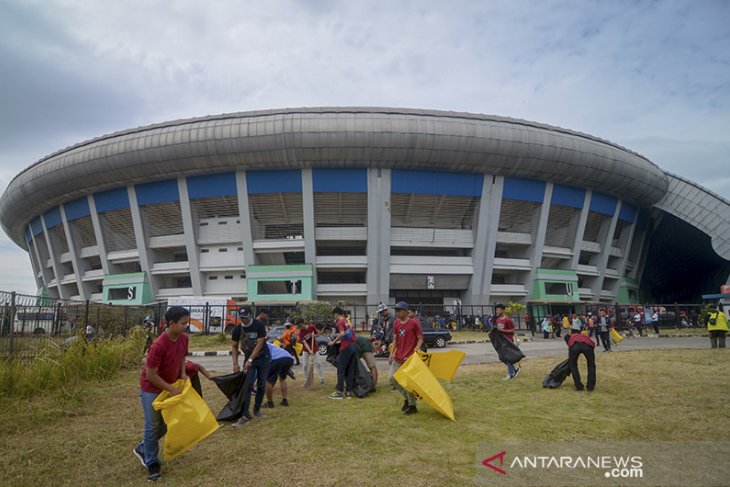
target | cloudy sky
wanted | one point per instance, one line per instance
(653, 76)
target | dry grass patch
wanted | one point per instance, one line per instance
(87, 438)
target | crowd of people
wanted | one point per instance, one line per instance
(397, 333)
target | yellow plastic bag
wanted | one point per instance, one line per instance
(415, 377)
(298, 347)
(584, 332)
(188, 419)
(443, 364)
(616, 336)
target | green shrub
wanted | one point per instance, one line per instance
(59, 369)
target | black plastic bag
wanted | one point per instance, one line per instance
(363, 381)
(333, 351)
(506, 349)
(558, 375)
(232, 386)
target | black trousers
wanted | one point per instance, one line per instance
(346, 368)
(606, 339)
(717, 336)
(586, 350)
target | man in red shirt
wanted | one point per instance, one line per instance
(165, 364)
(580, 344)
(347, 358)
(407, 337)
(310, 351)
(505, 325)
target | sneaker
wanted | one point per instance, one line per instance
(321, 382)
(410, 410)
(258, 414)
(348, 395)
(404, 407)
(241, 422)
(284, 402)
(139, 453)
(336, 395)
(517, 371)
(153, 472)
(269, 405)
(291, 374)
(508, 377)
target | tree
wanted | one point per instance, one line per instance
(514, 308)
(314, 312)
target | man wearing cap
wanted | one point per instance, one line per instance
(407, 337)
(347, 358)
(250, 335)
(504, 325)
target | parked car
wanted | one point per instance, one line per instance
(434, 337)
(274, 333)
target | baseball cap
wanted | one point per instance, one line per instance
(401, 305)
(244, 311)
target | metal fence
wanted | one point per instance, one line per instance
(27, 323)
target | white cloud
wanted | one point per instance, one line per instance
(653, 76)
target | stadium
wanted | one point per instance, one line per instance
(364, 205)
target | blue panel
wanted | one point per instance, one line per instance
(340, 180)
(263, 182)
(157, 192)
(113, 199)
(223, 184)
(76, 209)
(605, 205)
(28, 236)
(52, 217)
(627, 213)
(36, 227)
(523, 190)
(568, 196)
(441, 183)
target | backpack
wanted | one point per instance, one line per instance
(712, 318)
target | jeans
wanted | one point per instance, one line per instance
(154, 429)
(574, 353)
(606, 339)
(406, 395)
(717, 336)
(258, 372)
(511, 369)
(317, 363)
(346, 368)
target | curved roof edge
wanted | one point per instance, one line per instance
(330, 137)
(701, 208)
(322, 110)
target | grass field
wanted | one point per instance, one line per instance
(86, 437)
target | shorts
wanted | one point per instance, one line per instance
(369, 358)
(278, 369)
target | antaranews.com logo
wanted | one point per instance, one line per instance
(611, 466)
(603, 463)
